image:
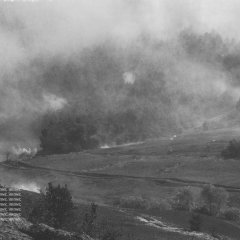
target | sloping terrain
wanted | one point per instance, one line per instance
(193, 157)
(155, 170)
(20, 229)
(8, 231)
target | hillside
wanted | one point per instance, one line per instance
(154, 170)
(20, 229)
(193, 156)
(120, 120)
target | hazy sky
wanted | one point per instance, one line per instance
(61, 25)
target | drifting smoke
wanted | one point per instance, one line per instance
(129, 77)
(18, 151)
(32, 187)
(47, 45)
(53, 102)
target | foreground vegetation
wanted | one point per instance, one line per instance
(54, 205)
(214, 204)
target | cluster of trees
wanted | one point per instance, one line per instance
(55, 205)
(63, 133)
(212, 201)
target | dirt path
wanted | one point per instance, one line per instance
(161, 181)
(157, 223)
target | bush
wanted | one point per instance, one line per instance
(159, 205)
(184, 200)
(213, 199)
(195, 222)
(98, 230)
(110, 234)
(89, 225)
(202, 210)
(58, 202)
(138, 202)
(52, 206)
(232, 150)
(134, 202)
(231, 214)
(38, 211)
(64, 133)
(43, 235)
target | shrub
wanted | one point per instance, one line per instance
(98, 230)
(159, 205)
(43, 235)
(58, 202)
(110, 234)
(38, 212)
(231, 214)
(138, 202)
(232, 150)
(202, 210)
(184, 199)
(52, 206)
(195, 222)
(64, 133)
(214, 199)
(89, 225)
(134, 202)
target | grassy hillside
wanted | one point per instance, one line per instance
(193, 156)
(153, 170)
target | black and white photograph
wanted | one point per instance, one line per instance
(119, 119)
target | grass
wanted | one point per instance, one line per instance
(194, 157)
(121, 221)
(140, 170)
(125, 221)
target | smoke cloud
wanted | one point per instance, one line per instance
(35, 34)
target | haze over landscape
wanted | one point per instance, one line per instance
(134, 104)
(58, 55)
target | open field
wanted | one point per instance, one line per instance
(154, 170)
(188, 157)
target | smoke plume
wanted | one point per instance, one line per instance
(54, 54)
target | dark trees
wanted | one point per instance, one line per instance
(232, 150)
(195, 222)
(63, 133)
(58, 202)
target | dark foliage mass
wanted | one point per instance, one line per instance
(232, 150)
(53, 206)
(89, 224)
(58, 202)
(63, 133)
(195, 222)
